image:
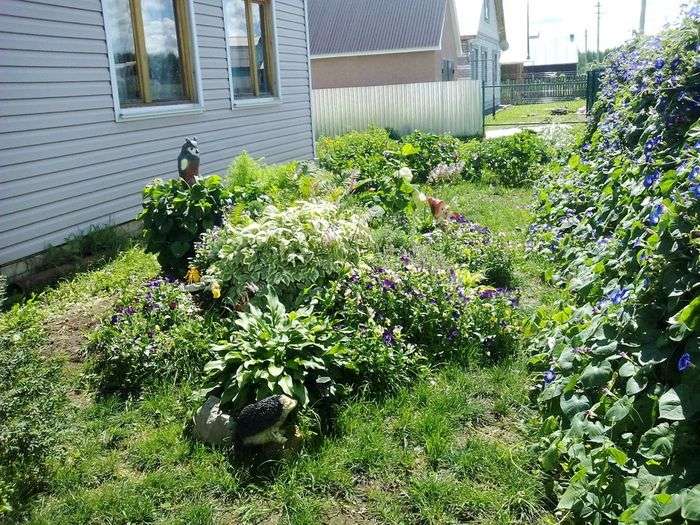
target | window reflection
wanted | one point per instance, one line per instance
(250, 43)
(146, 42)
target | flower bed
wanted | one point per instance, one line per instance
(619, 384)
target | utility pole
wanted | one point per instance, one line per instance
(598, 31)
(585, 48)
(527, 30)
(643, 17)
(529, 36)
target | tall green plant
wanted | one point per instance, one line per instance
(619, 378)
(175, 215)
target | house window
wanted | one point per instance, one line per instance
(487, 10)
(151, 55)
(250, 43)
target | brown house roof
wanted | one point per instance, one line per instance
(357, 27)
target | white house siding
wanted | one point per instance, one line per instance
(486, 39)
(66, 164)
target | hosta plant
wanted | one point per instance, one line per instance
(618, 377)
(270, 351)
(288, 250)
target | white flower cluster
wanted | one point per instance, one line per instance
(443, 173)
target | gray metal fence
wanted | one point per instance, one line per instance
(542, 90)
(439, 107)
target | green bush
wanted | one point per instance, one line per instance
(287, 250)
(175, 215)
(356, 151)
(509, 161)
(271, 351)
(389, 189)
(430, 151)
(156, 334)
(31, 402)
(618, 370)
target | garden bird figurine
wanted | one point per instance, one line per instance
(260, 423)
(188, 161)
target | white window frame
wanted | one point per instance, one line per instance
(256, 101)
(165, 110)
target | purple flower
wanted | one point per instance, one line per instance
(684, 362)
(549, 376)
(694, 173)
(675, 63)
(388, 284)
(458, 218)
(655, 215)
(129, 310)
(354, 278)
(618, 295)
(695, 190)
(115, 319)
(487, 294)
(388, 337)
(651, 178)
(659, 64)
(405, 259)
(454, 333)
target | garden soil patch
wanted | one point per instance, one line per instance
(67, 331)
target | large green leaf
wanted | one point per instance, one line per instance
(595, 375)
(690, 315)
(691, 504)
(670, 406)
(572, 404)
(657, 442)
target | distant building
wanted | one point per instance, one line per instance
(550, 57)
(483, 39)
(371, 43)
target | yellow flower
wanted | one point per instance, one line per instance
(215, 290)
(193, 276)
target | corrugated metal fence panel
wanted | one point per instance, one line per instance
(439, 107)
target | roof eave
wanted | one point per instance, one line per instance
(376, 52)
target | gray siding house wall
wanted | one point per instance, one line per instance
(483, 40)
(66, 163)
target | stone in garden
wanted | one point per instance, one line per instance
(261, 422)
(211, 425)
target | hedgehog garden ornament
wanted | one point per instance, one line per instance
(260, 423)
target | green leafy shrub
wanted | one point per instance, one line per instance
(618, 375)
(175, 215)
(156, 334)
(361, 151)
(287, 250)
(271, 351)
(510, 161)
(31, 403)
(389, 189)
(430, 151)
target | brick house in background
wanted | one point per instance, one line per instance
(358, 43)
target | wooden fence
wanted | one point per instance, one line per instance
(439, 107)
(542, 90)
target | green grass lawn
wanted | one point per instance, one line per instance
(451, 448)
(538, 114)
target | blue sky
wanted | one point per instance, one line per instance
(555, 20)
